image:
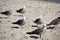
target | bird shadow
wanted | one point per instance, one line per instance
(35, 37)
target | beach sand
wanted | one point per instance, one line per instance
(34, 9)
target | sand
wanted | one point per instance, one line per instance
(34, 9)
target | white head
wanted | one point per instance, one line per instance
(41, 17)
(24, 6)
(42, 20)
(25, 18)
(44, 24)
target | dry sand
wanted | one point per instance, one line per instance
(34, 9)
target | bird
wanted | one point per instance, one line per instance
(21, 10)
(55, 21)
(39, 21)
(7, 13)
(20, 22)
(38, 31)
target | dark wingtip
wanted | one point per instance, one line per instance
(17, 10)
(20, 10)
(28, 33)
(14, 23)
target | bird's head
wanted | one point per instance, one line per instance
(40, 17)
(25, 18)
(24, 6)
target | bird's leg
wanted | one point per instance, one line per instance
(40, 35)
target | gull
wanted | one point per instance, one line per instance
(39, 21)
(21, 10)
(7, 13)
(55, 21)
(20, 22)
(38, 31)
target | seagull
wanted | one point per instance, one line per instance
(39, 21)
(20, 22)
(38, 31)
(7, 13)
(55, 21)
(21, 10)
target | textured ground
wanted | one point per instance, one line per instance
(34, 9)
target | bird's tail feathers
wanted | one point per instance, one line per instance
(14, 23)
(29, 33)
